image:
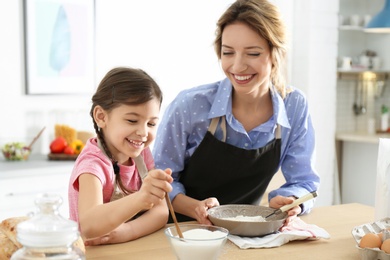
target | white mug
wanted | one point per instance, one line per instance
(354, 20)
(346, 63)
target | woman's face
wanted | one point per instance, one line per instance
(130, 129)
(246, 59)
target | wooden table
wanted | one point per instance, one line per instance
(338, 221)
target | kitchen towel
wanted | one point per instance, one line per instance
(382, 191)
(295, 230)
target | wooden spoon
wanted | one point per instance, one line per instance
(173, 215)
(35, 138)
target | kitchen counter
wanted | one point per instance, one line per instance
(356, 157)
(22, 181)
(37, 164)
(362, 137)
(338, 221)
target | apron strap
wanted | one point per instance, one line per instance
(214, 123)
(278, 131)
(141, 166)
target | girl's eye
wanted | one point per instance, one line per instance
(254, 54)
(151, 124)
(225, 53)
(132, 121)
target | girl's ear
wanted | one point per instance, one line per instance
(100, 116)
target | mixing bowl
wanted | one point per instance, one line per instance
(199, 242)
(245, 223)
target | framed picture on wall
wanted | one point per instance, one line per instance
(59, 46)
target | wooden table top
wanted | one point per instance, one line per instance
(337, 220)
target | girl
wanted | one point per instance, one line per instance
(114, 193)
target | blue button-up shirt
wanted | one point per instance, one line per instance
(187, 118)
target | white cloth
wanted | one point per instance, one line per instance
(295, 230)
(382, 190)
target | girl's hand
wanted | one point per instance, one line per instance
(280, 201)
(154, 187)
(201, 210)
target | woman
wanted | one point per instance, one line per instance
(224, 141)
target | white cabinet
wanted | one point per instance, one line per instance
(21, 182)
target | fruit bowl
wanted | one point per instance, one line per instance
(16, 151)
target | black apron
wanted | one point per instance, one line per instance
(233, 175)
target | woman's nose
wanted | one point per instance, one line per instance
(239, 64)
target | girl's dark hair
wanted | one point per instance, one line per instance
(122, 85)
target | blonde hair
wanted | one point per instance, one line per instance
(264, 18)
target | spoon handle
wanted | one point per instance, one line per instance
(173, 215)
(296, 202)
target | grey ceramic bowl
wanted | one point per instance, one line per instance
(218, 214)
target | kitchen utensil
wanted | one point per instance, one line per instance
(296, 202)
(36, 138)
(223, 216)
(173, 215)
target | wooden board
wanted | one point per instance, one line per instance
(62, 157)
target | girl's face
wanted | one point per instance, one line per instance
(246, 59)
(129, 129)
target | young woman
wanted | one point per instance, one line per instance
(115, 194)
(224, 141)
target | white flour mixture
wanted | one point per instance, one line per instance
(247, 218)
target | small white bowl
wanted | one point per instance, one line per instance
(199, 242)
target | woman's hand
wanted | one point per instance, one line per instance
(279, 201)
(201, 210)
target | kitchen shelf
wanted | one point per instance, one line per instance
(353, 74)
(351, 28)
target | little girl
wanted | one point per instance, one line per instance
(115, 194)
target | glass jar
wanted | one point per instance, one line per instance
(47, 235)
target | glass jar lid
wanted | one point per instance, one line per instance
(47, 228)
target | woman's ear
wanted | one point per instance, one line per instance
(100, 116)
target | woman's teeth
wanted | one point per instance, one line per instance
(242, 77)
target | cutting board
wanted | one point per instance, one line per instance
(62, 157)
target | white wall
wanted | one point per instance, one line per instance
(176, 49)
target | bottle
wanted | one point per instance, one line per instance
(47, 235)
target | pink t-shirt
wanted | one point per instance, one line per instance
(94, 161)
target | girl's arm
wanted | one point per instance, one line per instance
(97, 218)
(149, 222)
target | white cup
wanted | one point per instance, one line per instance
(346, 63)
(376, 63)
(366, 19)
(355, 20)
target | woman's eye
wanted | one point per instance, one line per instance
(132, 121)
(254, 54)
(225, 53)
(151, 124)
